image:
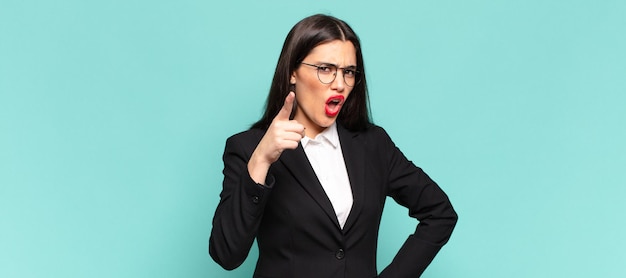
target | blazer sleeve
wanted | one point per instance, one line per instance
(410, 187)
(239, 212)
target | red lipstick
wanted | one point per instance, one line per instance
(333, 105)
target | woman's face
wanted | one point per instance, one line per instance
(319, 104)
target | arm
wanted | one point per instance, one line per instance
(412, 188)
(239, 212)
(247, 185)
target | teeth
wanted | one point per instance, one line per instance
(334, 101)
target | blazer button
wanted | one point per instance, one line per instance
(340, 254)
(255, 199)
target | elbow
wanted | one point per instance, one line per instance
(454, 217)
(227, 259)
(228, 265)
(445, 222)
(451, 218)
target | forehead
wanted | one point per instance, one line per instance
(337, 52)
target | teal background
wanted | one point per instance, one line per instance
(114, 114)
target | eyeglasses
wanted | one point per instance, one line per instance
(327, 73)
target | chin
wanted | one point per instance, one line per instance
(327, 123)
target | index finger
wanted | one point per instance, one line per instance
(285, 111)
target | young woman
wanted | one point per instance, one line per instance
(309, 180)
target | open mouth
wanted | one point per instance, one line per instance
(333, 105)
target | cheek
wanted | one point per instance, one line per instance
(348, 94)
(307, 91)
(305, 98)
(309, 84)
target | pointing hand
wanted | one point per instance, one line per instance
(282, 134)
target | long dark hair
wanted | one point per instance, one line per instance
(303, 37)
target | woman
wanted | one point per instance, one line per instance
(309, 180)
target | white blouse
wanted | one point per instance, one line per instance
(325, 155)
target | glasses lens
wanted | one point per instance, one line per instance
(349, 76)
(326, 73)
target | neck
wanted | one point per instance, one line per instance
(312, 131)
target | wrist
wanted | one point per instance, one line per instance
(258, 168)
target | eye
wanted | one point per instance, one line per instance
(349, 72)
(325, 69)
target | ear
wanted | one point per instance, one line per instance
(292, 79)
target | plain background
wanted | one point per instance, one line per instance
(114, 114)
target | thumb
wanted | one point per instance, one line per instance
(285, 112)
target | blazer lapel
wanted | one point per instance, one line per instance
(298, 165)
(354, 156)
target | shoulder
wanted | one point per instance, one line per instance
(250, 134)
(375, 133)
(246, 140)
(372, 137)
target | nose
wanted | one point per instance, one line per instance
(339, 84)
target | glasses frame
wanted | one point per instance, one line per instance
(343, 73)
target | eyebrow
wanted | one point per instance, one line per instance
(331, 64)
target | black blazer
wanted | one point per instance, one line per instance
(295, 226)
